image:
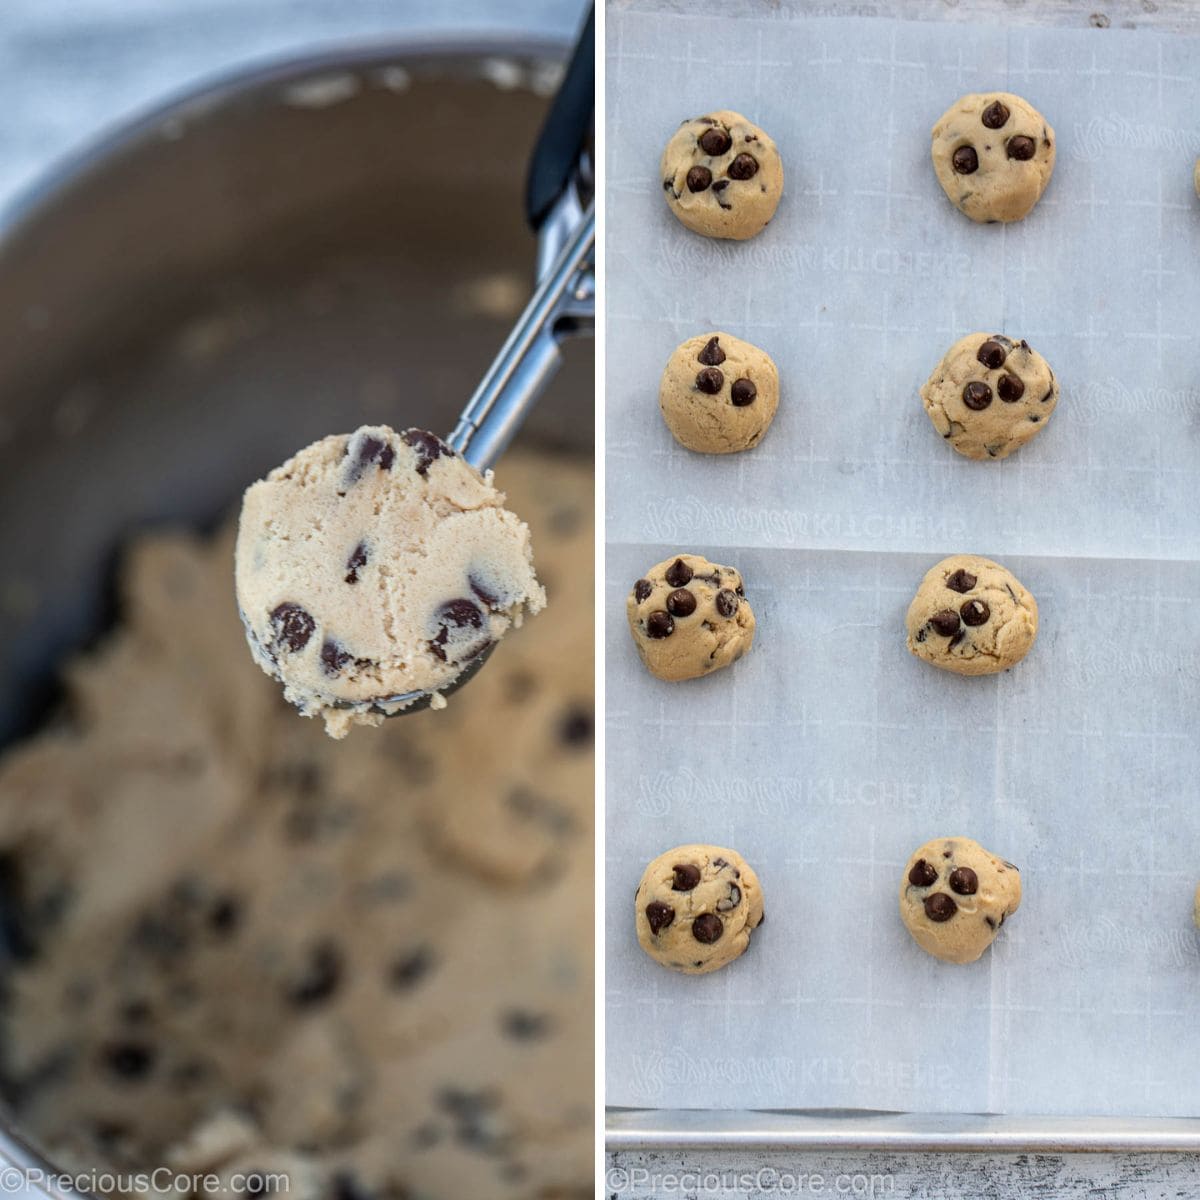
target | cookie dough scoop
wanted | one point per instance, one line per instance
(955, 896)
(376, 571)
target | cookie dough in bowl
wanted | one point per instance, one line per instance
(376, 565)
(696, 908)
(247, 946)
(993, 154)
(722, 176)
(990, 395)
(689, 617)
(718, 394)
(971, 616)
(955, 895)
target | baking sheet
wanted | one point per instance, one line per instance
(829, 753)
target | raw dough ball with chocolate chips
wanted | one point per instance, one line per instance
(955, 895)
(718, 394)
(689, 617)
(989, 395)
(374, 565)
(697, 907)
(993, 154)
(722, 176)
(971, 616)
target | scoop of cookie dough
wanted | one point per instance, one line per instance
(955, 895)
(971, 616)
(722, 176)
(376, 565)
(990, 395)
(697, 907)
(718, 394)
(993, 154)
(689, 617)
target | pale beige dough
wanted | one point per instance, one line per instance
(367, 963)
(696, 908)
(1002, 186)
(971, 616)
(1196, 177)
(1196, 908)
(955, 895)
(376, 565)
(990, 395)
(722, 176)
(689, 617)
(718, 394)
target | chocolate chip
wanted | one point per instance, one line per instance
(457, 614)
(225, 916)
(642, 589)
(995, 115)
(958, 637)
(727, 602)
(333, 657)
(358, 558)
(659, 625)
(745, 166)
(1011, 389)
(965, 161)
(961, 581)
(992, 354)
(409, 969)
(975, 612)
(687, 875)
(577, 727)
(131, 1061)
(945, 622)
(964, 881)
(939, 907)
(291, 626)
(707, 928)
(743, 392)
(525, 1026)
(698, 179)
(484, 593)
(712, 355)
(977, 396)
(429, 448)
(370, 450)
(990, 923)
(731, 901)
(715, 141)
(710, 381)
(320, 978)
(659, 915)
(681, 603)
(922, 874)
(679, 573)
(1021, 148)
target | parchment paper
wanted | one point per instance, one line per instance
(829, 753)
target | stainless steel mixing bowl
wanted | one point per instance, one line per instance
(283, 255)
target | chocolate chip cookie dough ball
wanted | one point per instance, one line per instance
(718, 394)
(990, 395)
(689, 617)
(376, 565)
(955, 895)
(993, 154)
(971, 616)
(722, 176)
(697, 907)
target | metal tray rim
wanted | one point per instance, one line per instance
(866, 1129)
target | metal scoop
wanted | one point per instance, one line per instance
(560, 206)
